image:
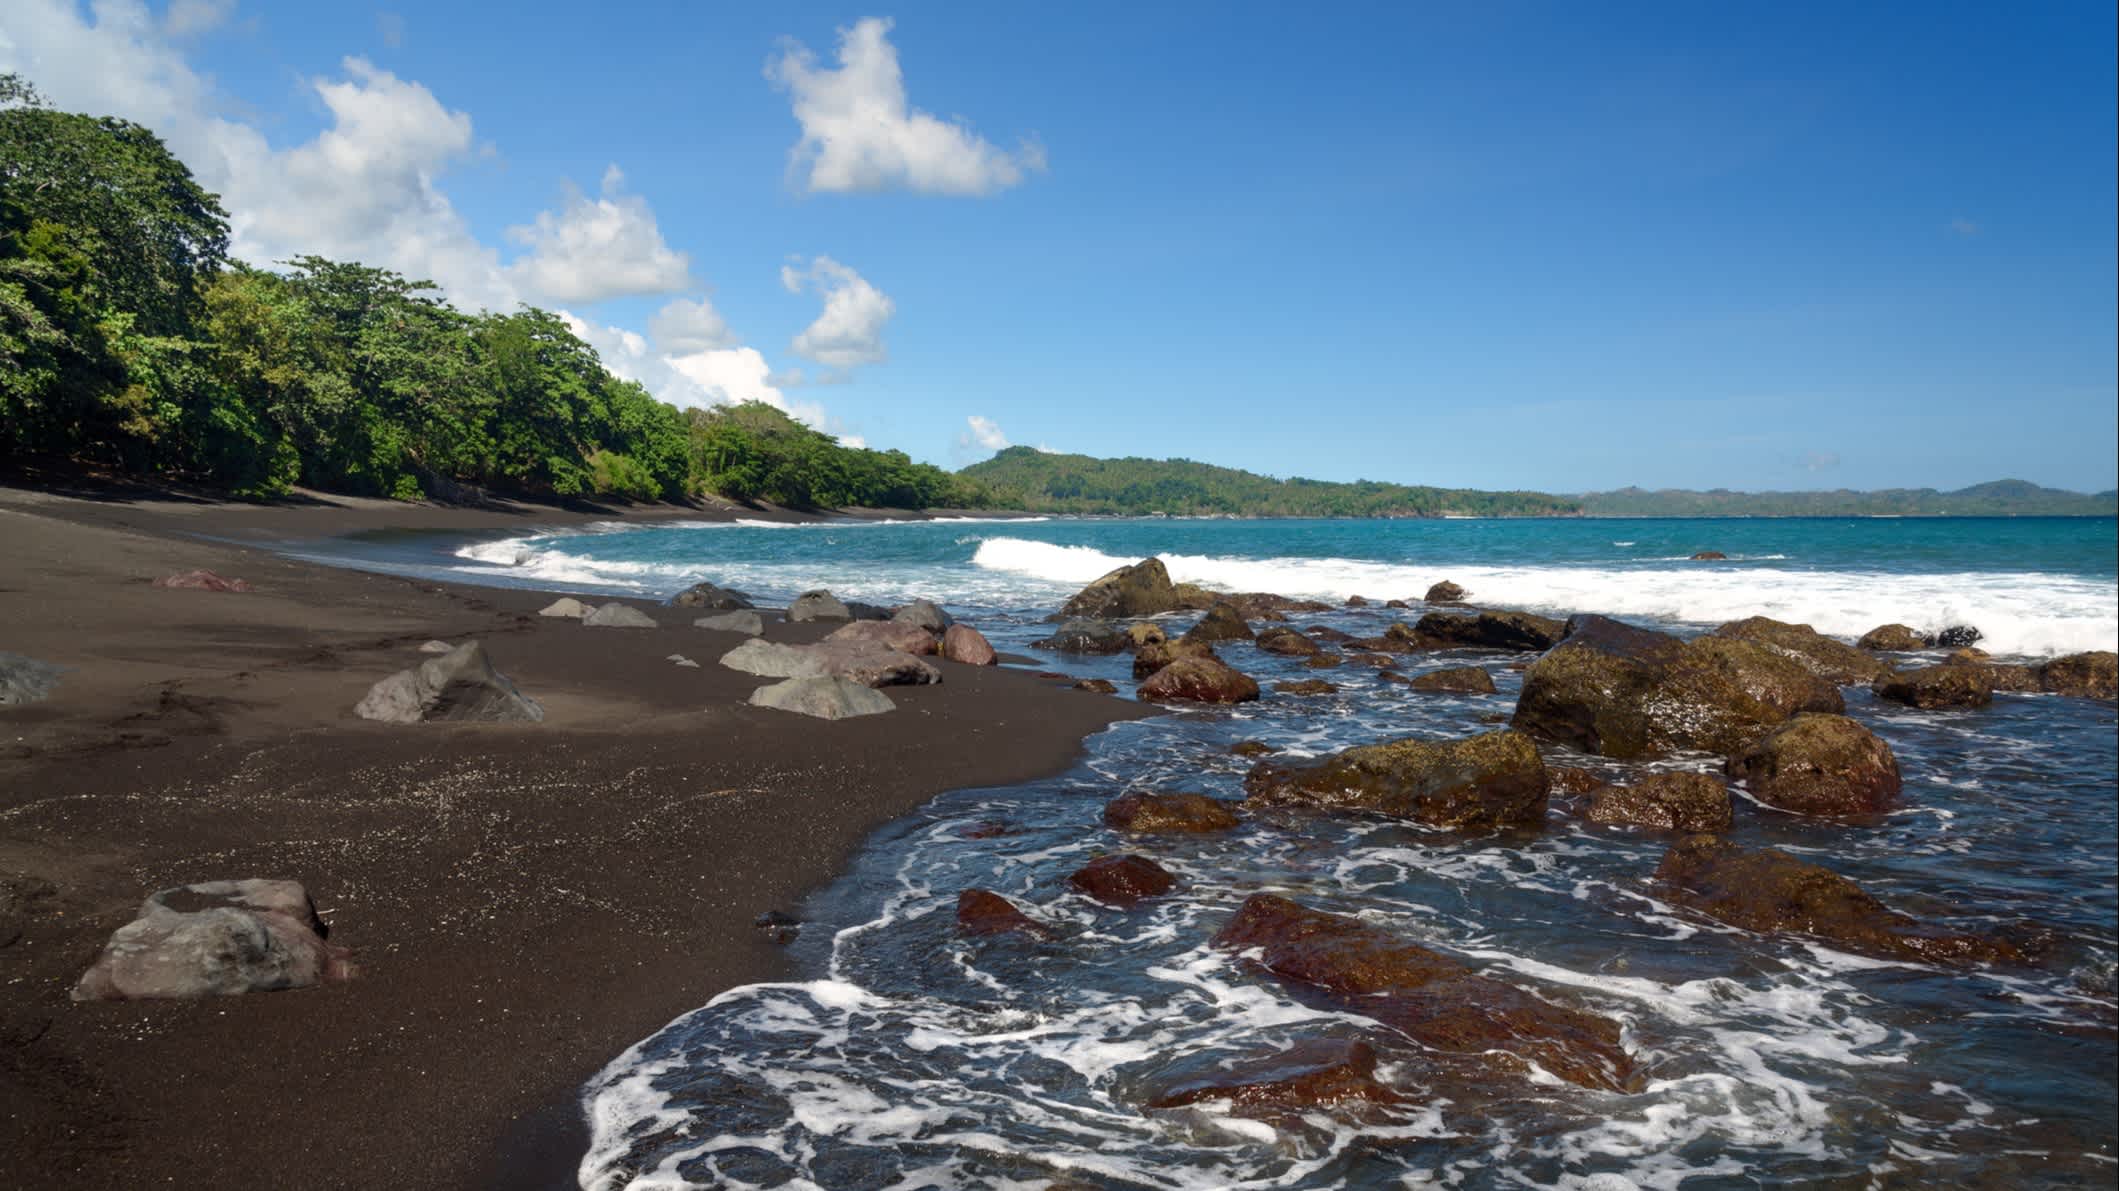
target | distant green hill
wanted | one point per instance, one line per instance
(1999, 498)
(1023, 477)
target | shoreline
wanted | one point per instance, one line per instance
(525, 901)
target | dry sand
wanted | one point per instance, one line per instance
(525, 901)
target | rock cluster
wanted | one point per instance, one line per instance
(1491, 781)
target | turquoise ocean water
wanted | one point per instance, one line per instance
(909, 1057)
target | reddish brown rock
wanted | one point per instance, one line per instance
(1445, 592)
(983, 912)
(1328, 634)
(1307, 686)
(1892, 638)
(1485, 782)
(1936, 688)
(1145, 632)
(1100, 686)
(1769, 891)
(1122, 880)
(1252, 748)
(1459, 680)
(1489, 630)
(1142, 589)
(1566, 779)
(1688, 802)
(202, 581)
(1169, 812)
(2085, 675)
(1823, 656)
(1354, 601)
(1323, 661)
(1820, 765)
(1316, 1073)
(962, 643)
(899, 635)
(1198, 680)
(1287, 642)
(1434, 998)
(1221, 623)
(1710, 556)
(1152, 657)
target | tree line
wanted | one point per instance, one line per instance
(130, 340)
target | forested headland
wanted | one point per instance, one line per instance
(130, 341)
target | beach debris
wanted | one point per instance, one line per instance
(1221, 623)
(2093, 675)
(1820, 765)
(778, 927)
(1122, 880)
(1286, 642)
(25, 679)
(1150, 658)
(1625, 692)
(817, 605)
(1769, 891)
(1892, 638)
(1445, 592)
(566, 607)
(711, 597)
(436, 647)
(1478, 783)
(962, 643)
(1936, 688)
(1710, 556)
(1434, 998)
(1145, 632)
(681, 660)
(1170, 813)
(1689, 802)
(822, 697)
(746, 622)
(1086, 635)
(1100, 686)
(219, 938)
(458, 685)
(1142, 589)
(202, 581)
(887, 634)
(1198, 680)
(1310, 1074)
(868, 665)
(1821, 655)
(924, 613)
(1488, 630)
(1306, 686)
(1457, 680)
(615, 615)
(984, 912)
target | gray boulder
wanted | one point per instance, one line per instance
(924, 614)
(711, 597)
(818, 605)
(1084, 635)
(436, 647)
(900, 635)
(869, 665)
(746, 622)
(25, 680)
(565, 607)
(822, 698)
(458, 685)
(220, 938)
(618, 616)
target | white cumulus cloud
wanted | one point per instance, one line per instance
(983, 433)
(860, 133)
(849, 331)
(690, 326)
(593, 249)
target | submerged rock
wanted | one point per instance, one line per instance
(1933, 688)
(1688, 802)
(823, 698)
(1083, 635)
(1169, 812)
(1123, 880)
(25, 679)
(962, 643)
(745, 621)
(202, 581)
(1221, 623)
(711, 597)
(458, 685)
(1287, 642)
(1625, 692)
(1825, 657)
(1434, 998)
(618, 616)
(1198, 680)
(1710, 556)
(566, 608)
(818, 605)
(1820, 765)
(220, 938)
(1142, 589)
(2086, 675)
(1488, 630)
(1306, 686)
(925, 614)
(1486, 782)
(1445, 592)
(1769, 891)
(1892, 638)
(1462, 680)
(868, 665)
(1315, 1073)
(886, 634)
(1099, 686)
(1252, 748)
(984, 912)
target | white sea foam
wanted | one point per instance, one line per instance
(2030, 613)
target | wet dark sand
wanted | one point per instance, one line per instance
(525, 901)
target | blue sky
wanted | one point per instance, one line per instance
(1546, 246)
